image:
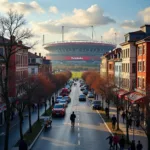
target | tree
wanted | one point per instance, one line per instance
(29, 85)
(11, 33)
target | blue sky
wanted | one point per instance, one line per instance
(110, 17)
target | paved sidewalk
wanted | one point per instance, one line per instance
(139, 134)
(14, 129)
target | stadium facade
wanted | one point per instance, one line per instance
(77, 51)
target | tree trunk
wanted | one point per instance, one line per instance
(118, 118)
(21, 120)
(148, 138)
(29, 112)
(7, 128)
(45, 106)
(38, 105)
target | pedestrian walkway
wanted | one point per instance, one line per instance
(134, 133)
(14, 129)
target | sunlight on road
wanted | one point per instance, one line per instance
(58, 142)
(88, 126)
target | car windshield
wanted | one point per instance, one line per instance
(58, 106)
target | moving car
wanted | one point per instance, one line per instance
(96, 104)
(82, 88)
(82, 97)
(64, 102)
(59, 110)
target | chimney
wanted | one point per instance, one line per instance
(35, 53)
(20, 42)
(40, 54)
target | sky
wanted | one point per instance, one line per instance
(46, 17)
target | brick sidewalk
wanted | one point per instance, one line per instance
(139, 134)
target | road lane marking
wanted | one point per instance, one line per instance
(78, 124)
(78, 142)
(78, 129)
(78, 135)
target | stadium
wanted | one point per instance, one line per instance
(85, 53)
(77, 54)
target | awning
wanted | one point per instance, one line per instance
(134, 97)
(121, 93)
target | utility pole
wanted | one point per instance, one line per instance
(43, 39)
(62, 33)
(92, 32)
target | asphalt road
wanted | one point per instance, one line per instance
(89, 133)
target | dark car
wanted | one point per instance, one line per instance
(85, 92)
(59, 110)
(82, 88)
(82, 97)
(96, 104)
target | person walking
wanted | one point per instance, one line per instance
(132, 146)
(115, 141)
(110, 138)
(122, 143)
(113, 120)
(130, 122)
(123, 116)
(139, 146)
(72, 118)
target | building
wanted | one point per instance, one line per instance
(18, 70)
(104, 66)
(129, 56)
(38, 64)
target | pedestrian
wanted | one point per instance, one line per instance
(123, 116)
(130, 122)
(106, 110)
(113, 120)
(132, 146)
(53, 101)
(122, 143)
(115, 141)
(110, 138)
(137, 123)
(139, 146)
(23, 145)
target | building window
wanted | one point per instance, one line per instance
(32, 60)
(32, 70)
(140, 51)
(1, 51)
(140, 66)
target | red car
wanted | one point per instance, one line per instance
(59, 110)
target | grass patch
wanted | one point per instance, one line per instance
(48, 112)
(29, 137)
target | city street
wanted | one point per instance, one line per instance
(89, 133)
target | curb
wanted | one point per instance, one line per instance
(31, 145)
(106, 125)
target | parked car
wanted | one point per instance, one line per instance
(82, 97)
(96, 104)
(58, 99)
(59, 110)
(67, 98)
(82, 88)
(64, 102)
(64, 92)
(85, 92)
(90, 95)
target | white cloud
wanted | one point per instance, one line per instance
(94, 15)
(76, 36)
(110, 36)
(25, 8)
(145, 15)
(142, 18)
(129, 24)
(53, 9)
